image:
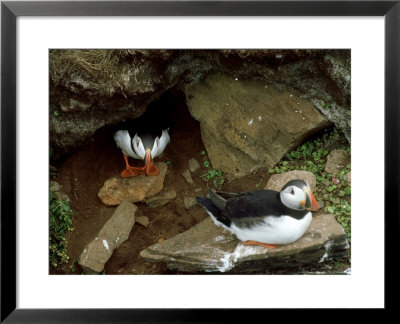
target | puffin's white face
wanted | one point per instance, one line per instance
(297, 195)
(294, 198)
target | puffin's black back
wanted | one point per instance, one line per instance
(258, 203)
(249, 207)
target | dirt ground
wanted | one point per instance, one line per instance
(84, 172)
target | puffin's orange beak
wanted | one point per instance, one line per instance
(148, 160)
(312, 204)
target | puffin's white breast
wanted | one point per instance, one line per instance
(275, 230)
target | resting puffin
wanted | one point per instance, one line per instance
(263, 217)
(143, 138)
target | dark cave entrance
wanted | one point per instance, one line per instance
(169, 111)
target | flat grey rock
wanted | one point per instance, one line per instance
(208, 248)
(163, 198)
(114, 232)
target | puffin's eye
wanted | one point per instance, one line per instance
(137, 143)
(292, 191)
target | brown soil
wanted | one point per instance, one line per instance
(83, 173)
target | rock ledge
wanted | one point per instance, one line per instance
(209, 248)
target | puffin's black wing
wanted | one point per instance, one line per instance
(255, 203)
(248, 208)
(258, 203)
(244, 209)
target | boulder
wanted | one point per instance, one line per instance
(277, 181)
(249, 123)
(209, 248)
(134, 189)
(114, 232)
(336, 161)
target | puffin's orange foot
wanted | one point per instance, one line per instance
(130, 172)
(153, 170)
(270, 246)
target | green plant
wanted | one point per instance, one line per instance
(342, 211)
(60, 223)
(202, 153)
(72, 266)
(325, 105)
(213, 175)
(259, 183)
(169, 163)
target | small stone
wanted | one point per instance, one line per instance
(335, 180)
(114, 232)
(162, 199)
(336, 161)
(134, 189)
(277, 181)
(193, 165)
(160, 240)
(197, 190)
(56, 188)
(189, 202)
(188, 177)
(143, 220)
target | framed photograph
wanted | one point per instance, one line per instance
(86, 91)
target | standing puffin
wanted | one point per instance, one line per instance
(263, 217)
(144, 145)
(143, 138)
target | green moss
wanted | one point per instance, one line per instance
(60, 223)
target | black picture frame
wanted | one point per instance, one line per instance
(10, 10)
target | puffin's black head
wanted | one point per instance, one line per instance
(296, 194)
